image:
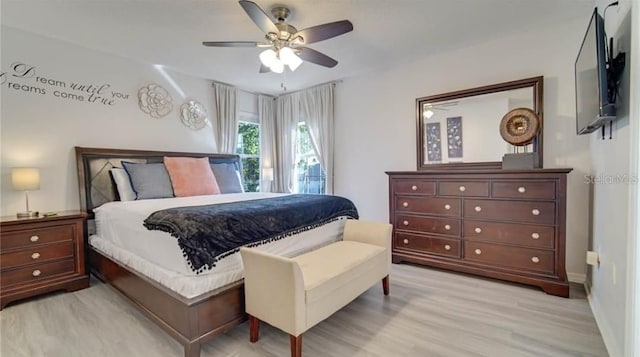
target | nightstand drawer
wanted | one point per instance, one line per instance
(32, 237)
(36, 254)
(38, 272)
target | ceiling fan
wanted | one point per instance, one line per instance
(285, 44)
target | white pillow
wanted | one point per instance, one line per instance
(123, 183)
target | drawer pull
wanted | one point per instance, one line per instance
(535, 235)
(535, 260)
(462, 188)
(35, 255)
(478, 208)
(406, 241)
(447, 207)
(447, 227)
(522, 189)
(405, 204)
(36, 272)
(535, 212)
(406, 223)
(414, 188)
(34, 238)
(447, 247)
(478, 230)
(478, 251)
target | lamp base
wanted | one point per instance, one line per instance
(28, 214)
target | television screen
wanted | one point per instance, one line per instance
(593, 108)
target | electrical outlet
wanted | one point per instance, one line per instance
(613, 269)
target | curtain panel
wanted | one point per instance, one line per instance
(225, 118)
(286, 130)
(268, 153)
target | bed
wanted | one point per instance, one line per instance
(197, 307)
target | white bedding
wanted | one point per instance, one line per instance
(121, 236)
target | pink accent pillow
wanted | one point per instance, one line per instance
(191, 176)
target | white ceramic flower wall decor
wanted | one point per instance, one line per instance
(155, 101)
(193, 114)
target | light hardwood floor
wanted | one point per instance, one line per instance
(429, 313)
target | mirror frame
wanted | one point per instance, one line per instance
(535, 82)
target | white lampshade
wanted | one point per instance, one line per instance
(289, 58)
(267, 173)
(25, 178)
(268, 57)
(277, 66)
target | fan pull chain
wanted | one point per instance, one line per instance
(283, 84)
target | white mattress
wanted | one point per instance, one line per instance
(155, 254)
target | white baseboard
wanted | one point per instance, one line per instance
(577, 278)
(603, 326)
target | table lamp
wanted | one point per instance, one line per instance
(25, 179)
(267, 173)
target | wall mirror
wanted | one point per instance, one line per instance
(461, 130)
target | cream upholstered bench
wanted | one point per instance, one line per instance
(294, 294)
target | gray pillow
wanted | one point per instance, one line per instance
(228, 178)
(149, 180)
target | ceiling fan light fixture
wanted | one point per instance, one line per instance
(268, 57)
(289, 58)
(277, 66)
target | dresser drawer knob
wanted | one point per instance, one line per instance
(462, 188)
(36, 272)
(522, 189)
(478, 251)
(447, 247)
(406, 223)
(406, 241)
(535, 260)
(35, 255)
(535, 235)
(535, 212)
(478, 208)
(447, 207)
(414, 188)
(478, 230)
(447, 227)
(405, 204)
(34, 238)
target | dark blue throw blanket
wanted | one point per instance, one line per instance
(209, 233)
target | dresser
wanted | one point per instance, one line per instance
(503, 224)
(40, 255)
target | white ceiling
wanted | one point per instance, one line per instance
(386, 32)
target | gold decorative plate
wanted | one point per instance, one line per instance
(520, 126)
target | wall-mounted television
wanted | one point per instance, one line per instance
(595, 101)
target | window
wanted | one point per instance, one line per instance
(248, 147)
(309, 173)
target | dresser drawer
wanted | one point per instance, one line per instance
(32, 237)
(517, 211)
(36, 254)
(519, 234)
(464, 188)
(427, 244)
(447, 226)
(428, 205)
(38, 272)
(414, 187)
(515, 257)
(523, 189)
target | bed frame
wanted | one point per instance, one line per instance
(191, 322)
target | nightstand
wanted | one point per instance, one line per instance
(41, 255)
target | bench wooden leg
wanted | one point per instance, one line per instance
(254, 328)
(385, 285)
(296, 345)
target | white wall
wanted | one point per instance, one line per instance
(611, 159)
(41, 130)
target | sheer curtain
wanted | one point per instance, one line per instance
(286, 133)
(267, 117)
(317, 110)
(225, 117)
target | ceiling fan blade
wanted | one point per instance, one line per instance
(235, 44)
(325, 31)
(259, 17)
(264, 69)
(313, 56)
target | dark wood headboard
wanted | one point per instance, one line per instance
(94, 180)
